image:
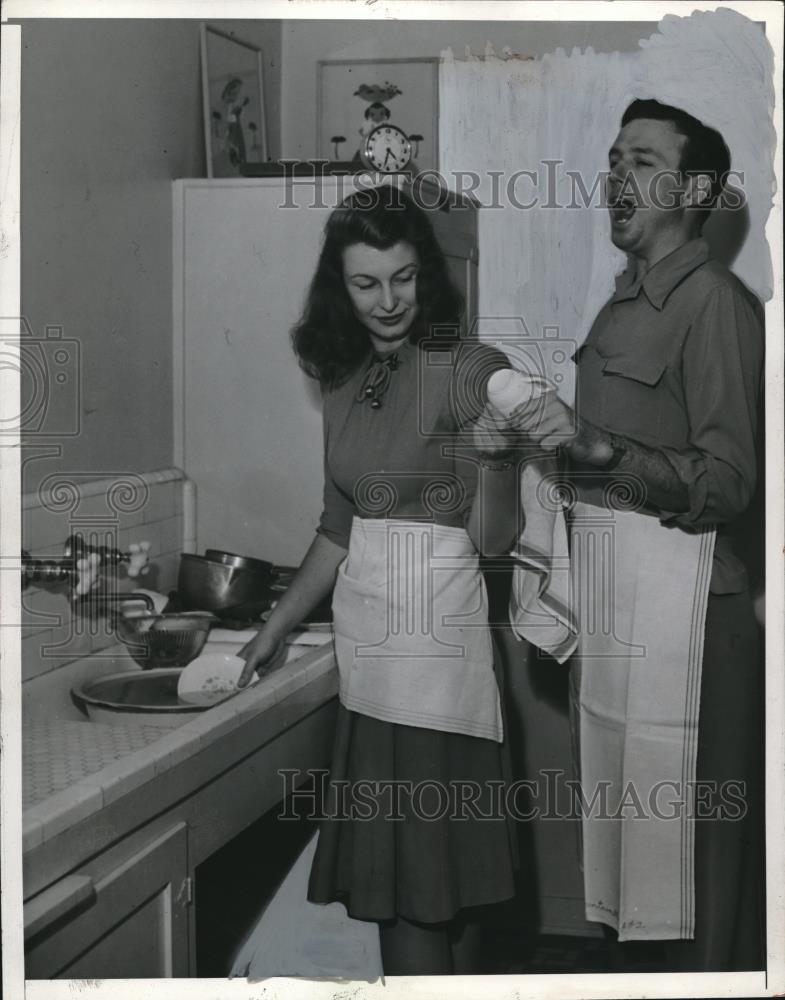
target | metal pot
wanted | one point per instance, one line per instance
(239, 562)
(206, 585)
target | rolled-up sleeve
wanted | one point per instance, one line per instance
(722, 372)
(475, 364)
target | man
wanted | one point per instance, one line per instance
(661, 451)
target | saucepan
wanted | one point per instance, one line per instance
(232, 586)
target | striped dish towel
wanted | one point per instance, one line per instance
(540, 602)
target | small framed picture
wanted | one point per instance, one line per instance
(233, 103)
(354, 96)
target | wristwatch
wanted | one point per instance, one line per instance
(619, 451)
(499, 462)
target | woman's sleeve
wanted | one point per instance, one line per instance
(475, 364)
(337, 509)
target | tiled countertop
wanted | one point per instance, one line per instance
(73, 769)
(57, 755)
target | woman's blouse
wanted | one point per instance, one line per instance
(411, 457)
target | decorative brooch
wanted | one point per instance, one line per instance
(377, 379)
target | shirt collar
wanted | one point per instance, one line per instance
(660, 280)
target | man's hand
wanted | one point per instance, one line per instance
(551, 423)
(546, 420)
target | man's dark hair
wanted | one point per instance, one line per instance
(704, 152)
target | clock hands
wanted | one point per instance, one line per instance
(386, 148)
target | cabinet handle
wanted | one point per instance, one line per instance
(57, 901)
(186, 892)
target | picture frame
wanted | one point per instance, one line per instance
(235, 127)
(406, 89)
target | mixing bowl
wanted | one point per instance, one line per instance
(210, 585)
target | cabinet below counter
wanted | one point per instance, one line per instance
(109, 861)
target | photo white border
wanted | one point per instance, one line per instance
(518, 987)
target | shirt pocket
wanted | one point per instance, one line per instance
(634, 393)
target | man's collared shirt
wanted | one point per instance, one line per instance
(674, 360)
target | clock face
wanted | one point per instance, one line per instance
(387, 149)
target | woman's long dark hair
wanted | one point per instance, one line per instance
(330, 342)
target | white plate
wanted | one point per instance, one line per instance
(210, 678)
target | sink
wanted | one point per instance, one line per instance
(149, 697)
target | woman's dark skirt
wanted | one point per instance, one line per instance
(424, 834)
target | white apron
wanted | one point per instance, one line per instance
(641, 591)
(411, 629)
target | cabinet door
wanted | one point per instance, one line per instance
(135, 927)
(250, 429)
(456, 231)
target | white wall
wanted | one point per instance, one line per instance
(306, 42)
(111, 114)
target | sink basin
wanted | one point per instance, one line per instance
(148, 697)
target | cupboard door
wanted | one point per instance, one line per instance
(456, 231)
(463, 272)
(250, 436)
(136, 926)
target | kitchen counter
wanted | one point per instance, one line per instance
(97, 793)
(72, 769)
(61, 754)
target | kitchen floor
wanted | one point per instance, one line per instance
(233, 885)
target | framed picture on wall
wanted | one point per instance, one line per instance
(353, 96)
(233, 103)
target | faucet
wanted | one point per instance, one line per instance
(81, 564)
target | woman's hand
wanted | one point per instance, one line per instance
(260, 655)
(312, 582)
(493, 434)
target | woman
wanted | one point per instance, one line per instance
(418, 480)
